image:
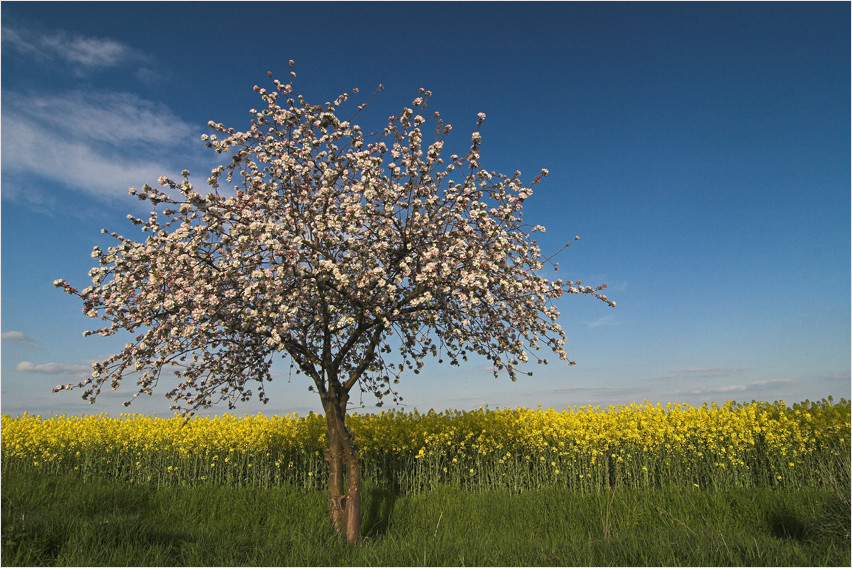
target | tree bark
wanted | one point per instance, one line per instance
(336, 499)
(353, 494)
(344, 465)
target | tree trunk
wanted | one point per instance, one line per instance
(353, 494)
(336, 499)
(344, 464)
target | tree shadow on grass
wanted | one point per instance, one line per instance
(380, 502)
(95, 525)
(786, 524)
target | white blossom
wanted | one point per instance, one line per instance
(322, 243)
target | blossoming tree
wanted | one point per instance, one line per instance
(355, 255)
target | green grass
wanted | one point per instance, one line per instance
(59, 520)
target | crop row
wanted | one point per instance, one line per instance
(732, 445)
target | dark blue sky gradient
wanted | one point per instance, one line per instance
(701, 151)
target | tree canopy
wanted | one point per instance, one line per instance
(328, 243)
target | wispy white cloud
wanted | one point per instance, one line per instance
(607, 320)
(18, 338)
(99, 142)
(111, 117)
(756, 385)
(50, 368)
(700, 373)
(83, 52)
(92, 140)
(601, 394)
(704, 373)
(844, 377)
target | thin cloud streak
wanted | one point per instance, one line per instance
(101, 143)
(85, 52)
(29, 150)
(736, 388)
(699, 373)
(19, 338)
(105, 116)
(50, 368)
(605, 321)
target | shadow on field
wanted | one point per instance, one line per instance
(380, 504)
(44, 523)
(785, 524)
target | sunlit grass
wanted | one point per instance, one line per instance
(62, 520)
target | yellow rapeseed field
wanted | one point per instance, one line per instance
(754, 444)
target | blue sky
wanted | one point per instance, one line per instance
(701, 151)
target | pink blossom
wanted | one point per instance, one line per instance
(326, 244)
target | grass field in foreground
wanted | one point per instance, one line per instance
(61, 520)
